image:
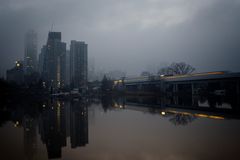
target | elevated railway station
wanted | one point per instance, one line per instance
(218, 83)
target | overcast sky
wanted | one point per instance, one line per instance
(129, 35)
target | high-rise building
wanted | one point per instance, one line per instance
(54, 65)
(78, 65)
(68, 67)
(41, 59)
(91, 70)
(30, 52)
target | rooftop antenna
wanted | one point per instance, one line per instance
(52, 27)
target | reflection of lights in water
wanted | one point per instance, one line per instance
(118, 106)
(201, 115)
(163, 113)
(115, 105)
(176, 112)
(209, 116)
(216, 117)
(58, 113)
(16, 124)
(44, 84)
(198, 115)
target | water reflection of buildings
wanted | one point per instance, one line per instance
(53, 125)
(180, 110)
(78, 124)
(53, 128)
(30, 137)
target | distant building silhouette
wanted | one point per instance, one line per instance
(30, 52)
(54, 64)
(16, 74)
(78, 65)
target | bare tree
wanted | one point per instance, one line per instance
(181, 119)
(181, 68)
(177, 69)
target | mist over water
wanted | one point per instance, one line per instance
(110, 79)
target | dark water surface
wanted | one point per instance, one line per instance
(116, 130)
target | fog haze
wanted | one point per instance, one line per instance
(129, 35)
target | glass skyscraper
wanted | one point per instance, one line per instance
(78, 65)
(54, 65)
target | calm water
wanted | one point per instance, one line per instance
(130, 128)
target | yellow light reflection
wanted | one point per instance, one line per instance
(198, 115)
(163, 113)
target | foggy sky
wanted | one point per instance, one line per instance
(129, 35)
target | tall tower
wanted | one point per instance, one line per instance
(30, 52)
(54, 65)
(78, 65)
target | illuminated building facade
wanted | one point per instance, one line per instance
(54, 63)
(78, 65)
(30, 52)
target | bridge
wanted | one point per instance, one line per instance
(217, 83)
